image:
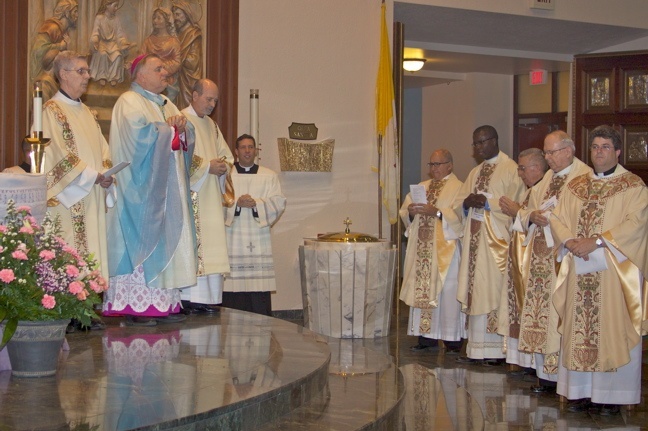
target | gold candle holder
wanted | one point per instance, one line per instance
(37, 153)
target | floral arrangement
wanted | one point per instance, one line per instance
(41, 276)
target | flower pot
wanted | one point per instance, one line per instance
(35, 346)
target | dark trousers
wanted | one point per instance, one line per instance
(256, 302)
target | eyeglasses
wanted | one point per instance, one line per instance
(552, 152)
(82, 71)
(602, 147)
(436, 164)
(524, 168)
(482, 142)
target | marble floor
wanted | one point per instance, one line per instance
(240, 371)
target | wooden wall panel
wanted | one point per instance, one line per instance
(13, 79)
(222, 67)
(222, 62)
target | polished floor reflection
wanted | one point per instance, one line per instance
(240, 371)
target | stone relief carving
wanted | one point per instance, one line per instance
(111, 33)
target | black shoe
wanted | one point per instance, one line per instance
(609, 410)
(140, 321)
(467, 360)
(582, 405)
(493, 362)
(543, 389)
(203, 309)
(171, 318)
(71, 328)
(421, 347)
(95, 325)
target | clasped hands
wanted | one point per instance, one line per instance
(509, 206)
(423, 209)
(474, 200)
(246, 201)
(581, 247)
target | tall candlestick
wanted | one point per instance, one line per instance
(38, 109)
(254, 117)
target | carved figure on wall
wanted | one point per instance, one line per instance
(190, 37)
(109, 45)
(164, 42)
(52, 37)
(638, 151)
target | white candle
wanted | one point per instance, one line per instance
(254, 114)
(38, 108)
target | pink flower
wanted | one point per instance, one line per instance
(3, 228)
(19, 254)
(22, 246)
(72, 271)
(24, 208)
(81, 296)
(81, 262)
(71, 250)
(48, 301)
(26, 229)
(1, 249)
(47, 255)
(32, 221)
(7, 275)
(96, 287)
(75, 287)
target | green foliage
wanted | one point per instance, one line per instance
(42, 277)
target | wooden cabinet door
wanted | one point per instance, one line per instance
(613, 89)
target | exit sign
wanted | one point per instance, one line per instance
(543, 4)
(537, 77)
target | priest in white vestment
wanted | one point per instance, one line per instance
(432, 259)
(531, 168)
(485, 242)
(601, 224)
(77, 191)
(259, 204)
(212, 160)
(152, 240)
(538, 325)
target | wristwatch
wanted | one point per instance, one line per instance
(599, 241)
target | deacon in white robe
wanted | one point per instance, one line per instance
(432, 259)
(211, 163)
(485, 242)
(259, 204)
(601, 223)
(152, 249)
(77, 155)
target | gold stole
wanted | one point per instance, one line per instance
(483, 180)
(536, 303)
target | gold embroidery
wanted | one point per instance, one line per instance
(540, 284)
(424, 251)
(483, 179)
(196, 161)
(195, 205)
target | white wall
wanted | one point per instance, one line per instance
(451, 113)
(314, 62)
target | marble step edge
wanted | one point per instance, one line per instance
(253, 413)
(309, 416)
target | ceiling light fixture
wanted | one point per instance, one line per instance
(413, 64)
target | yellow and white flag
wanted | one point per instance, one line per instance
(386, 127)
